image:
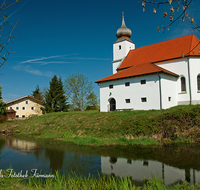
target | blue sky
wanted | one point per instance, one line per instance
(64, 37)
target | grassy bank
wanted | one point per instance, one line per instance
(177, 124)
(77, 182)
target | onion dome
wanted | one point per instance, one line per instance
(123, 32)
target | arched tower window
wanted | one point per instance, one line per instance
(198, 82)
(183, 85)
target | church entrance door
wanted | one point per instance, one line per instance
(112, 104)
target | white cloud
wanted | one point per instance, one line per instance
(44, 58)
(29, 69)
(52, 62)
(91, 58)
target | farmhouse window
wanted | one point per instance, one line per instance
(128, 100)
(32, 108)
(27, 102)
(23, 108)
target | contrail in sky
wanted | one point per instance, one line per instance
(14, 12)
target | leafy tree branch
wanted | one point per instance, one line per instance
(179, 9)
(6, 40)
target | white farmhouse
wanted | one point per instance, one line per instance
(157, 76)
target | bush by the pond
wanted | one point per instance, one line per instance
(3, 118)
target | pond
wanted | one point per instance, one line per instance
(172, 163)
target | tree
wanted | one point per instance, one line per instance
(2, 104)
(2, 108)
(178, 9)
(55, 100)
(6, 40)
(0, 92)
(37, 93)
(92, 99)
(79, 90)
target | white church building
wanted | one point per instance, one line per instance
(157, 76)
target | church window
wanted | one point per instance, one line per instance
(198, 82)
(144, 99)
(127, 100)
(120, 47)
(143, 81)
(183, 86)
(169, 99)
(127, 83)
(111, 86)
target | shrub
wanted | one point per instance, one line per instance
(3, 118)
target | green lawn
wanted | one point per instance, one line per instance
(177, 124)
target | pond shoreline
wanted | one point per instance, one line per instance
(181, 160)
(180, 124)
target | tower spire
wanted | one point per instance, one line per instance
(123, 32)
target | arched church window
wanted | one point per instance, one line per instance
(198, 82)
(183, 86)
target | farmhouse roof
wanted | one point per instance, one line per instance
(24, 97)
(141, 61)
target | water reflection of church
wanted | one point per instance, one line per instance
(138, 170)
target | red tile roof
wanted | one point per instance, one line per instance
(139, 61)
(11, 111)
(170, 49)
(137, 70)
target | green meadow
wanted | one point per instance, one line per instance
(177, 124)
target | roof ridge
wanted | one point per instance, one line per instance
(194, 37)
(26, 96)
(190, 45)
(164, 41)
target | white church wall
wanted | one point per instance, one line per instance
(121, 49)
(116, 64)
(135, 92)
(194, 64)
(168, 90)
(179, 67)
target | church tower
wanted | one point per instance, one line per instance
(122, 46)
